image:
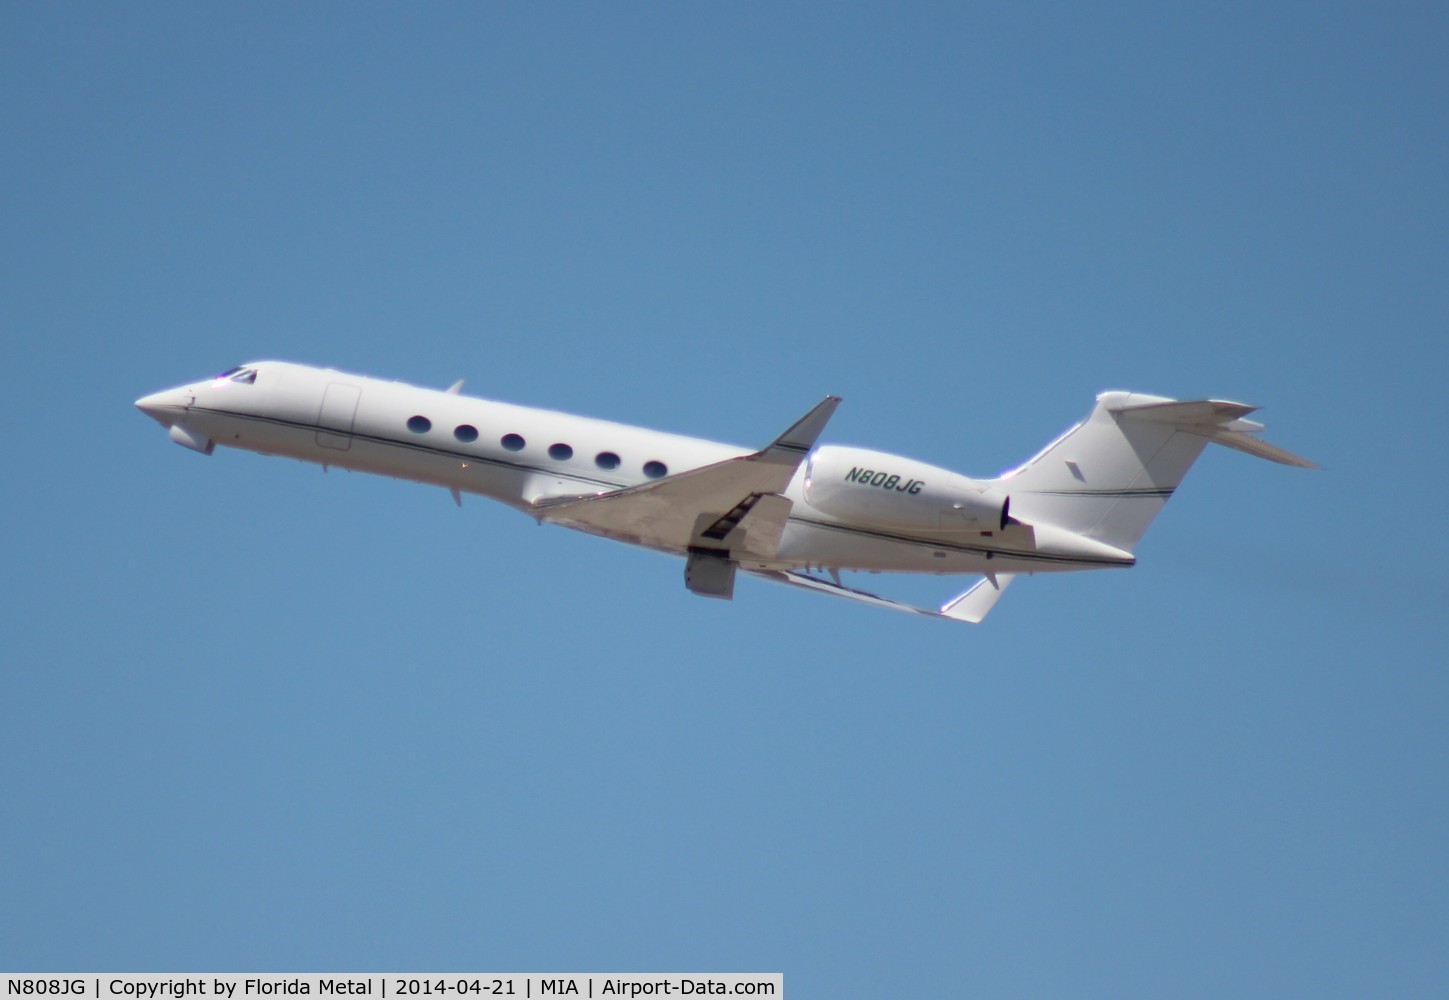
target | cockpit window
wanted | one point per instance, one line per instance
(241, 373)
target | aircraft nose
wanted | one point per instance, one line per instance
(165, 406)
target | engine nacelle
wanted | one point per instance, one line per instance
(887, 491)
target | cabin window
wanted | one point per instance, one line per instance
(419, 425)
(606, 460)
(656, 470)
(466, 433)
(560, 452)
(512, 442)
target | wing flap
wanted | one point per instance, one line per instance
(754, 527)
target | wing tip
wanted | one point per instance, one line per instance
(976, 603)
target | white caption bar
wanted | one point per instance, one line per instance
(390, 985)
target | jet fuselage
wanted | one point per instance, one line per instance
(518, 455)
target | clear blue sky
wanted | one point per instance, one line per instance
(256, 717)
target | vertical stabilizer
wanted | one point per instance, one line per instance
(1110, 475)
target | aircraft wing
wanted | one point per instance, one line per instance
(733, 506)
(971, 606)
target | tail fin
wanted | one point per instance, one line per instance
(1110, 475)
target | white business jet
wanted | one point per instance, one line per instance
(788, 512)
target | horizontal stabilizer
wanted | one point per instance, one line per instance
(1185, 413)
(1256, 446)
(1219, 421)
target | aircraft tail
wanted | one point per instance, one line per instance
(1110, 475)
